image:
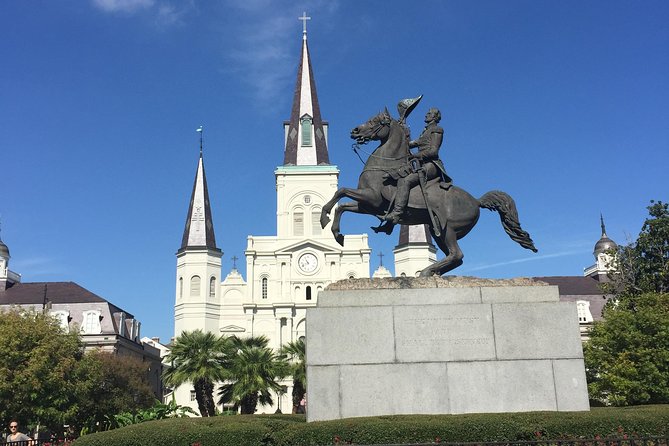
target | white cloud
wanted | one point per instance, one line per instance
(170, 15)
(127, 6)
(526, 259)
(261, 50)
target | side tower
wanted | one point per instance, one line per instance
(603, 259)
(7, 277)
(198, 275)
(414, 251)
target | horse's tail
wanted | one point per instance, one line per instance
(499, 201)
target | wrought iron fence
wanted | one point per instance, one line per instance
(36, 443)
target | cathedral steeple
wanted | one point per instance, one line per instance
(199, 230)
(306, 132)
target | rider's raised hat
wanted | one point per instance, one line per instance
(406, 106)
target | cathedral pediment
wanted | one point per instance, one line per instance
(233, 329)
(304, 244)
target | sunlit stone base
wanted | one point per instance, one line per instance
(442, 346)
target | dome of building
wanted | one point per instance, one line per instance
(604, 244)
(4, 250)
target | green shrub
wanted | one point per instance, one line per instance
(285, 430)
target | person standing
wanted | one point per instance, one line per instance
(15, 436)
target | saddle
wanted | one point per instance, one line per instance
(416, 200)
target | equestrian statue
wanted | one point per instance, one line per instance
(399, 186)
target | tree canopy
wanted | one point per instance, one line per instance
(252, 371)
(197, 357)
(296, 351)
(627, 356)
(643, 266)
(111, 384)
(47, 380)
(39, 369)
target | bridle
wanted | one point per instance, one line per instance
(384, 122)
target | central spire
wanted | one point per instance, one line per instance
(306, 132)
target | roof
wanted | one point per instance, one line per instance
(32, 293)
(199, 228)
(574, 285)
(573, 288)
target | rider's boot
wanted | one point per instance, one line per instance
(401, 200)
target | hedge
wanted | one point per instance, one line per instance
(285, 430)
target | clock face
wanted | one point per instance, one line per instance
(308, 263)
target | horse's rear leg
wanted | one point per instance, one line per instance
(448, 243)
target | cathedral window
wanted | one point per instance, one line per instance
(308, 294)
(212, 287)
(263, 287)
(307, 131)
(316, 222)
(91, 322)
(195, 286)
(181, 287)
(298, 223)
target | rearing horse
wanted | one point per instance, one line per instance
(454, 210)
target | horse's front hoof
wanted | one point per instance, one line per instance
(324, 221)
(340, 239)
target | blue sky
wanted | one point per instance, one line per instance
(561, 104)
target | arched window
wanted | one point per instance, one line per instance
(307, 131)
(316, 221)
(181, 287)
(308, 293)
(212, 287)
(298, 222)
(263, 287)
(195, 286)
(91, 322)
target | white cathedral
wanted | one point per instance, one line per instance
(285, 272)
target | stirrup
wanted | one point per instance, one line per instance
(393, 217)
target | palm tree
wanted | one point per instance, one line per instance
(197, 357)
(252, 371)
(298, 368)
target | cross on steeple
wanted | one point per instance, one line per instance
(200, 130)
(234, 262)
(304, 19)
(380, 259)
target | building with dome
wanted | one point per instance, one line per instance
(585, 290)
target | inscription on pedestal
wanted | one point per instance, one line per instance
(444, 333)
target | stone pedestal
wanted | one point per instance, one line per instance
(442, 346)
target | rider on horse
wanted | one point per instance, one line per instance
(425, 162)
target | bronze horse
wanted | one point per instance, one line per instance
(454, 210)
